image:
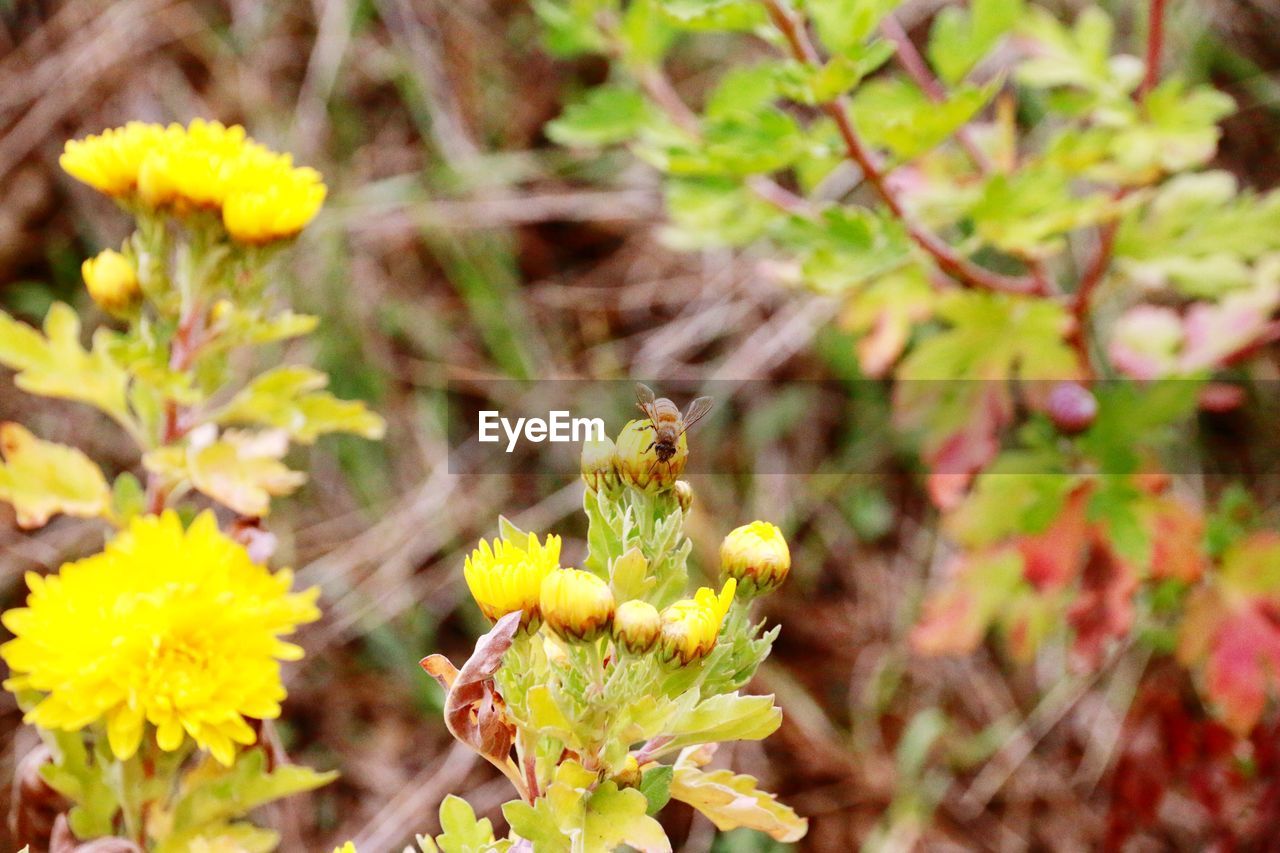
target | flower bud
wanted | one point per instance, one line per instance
(599, 466)
(691, 626)
(636, 626)
(112, 281)
(684, 494)
(1072, 407)
(638, 462)
(757, 557)
(576, 604)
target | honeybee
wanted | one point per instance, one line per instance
(667, 422)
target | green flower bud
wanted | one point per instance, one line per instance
(636, 626)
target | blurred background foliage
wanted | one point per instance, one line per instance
(460, 245)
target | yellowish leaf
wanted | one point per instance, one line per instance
(42, 478)
(241, 470)
(56, 365)
(731, 801)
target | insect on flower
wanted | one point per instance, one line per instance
(667, 422)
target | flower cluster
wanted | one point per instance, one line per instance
(176, 629)
(591, 675)
(259, 194)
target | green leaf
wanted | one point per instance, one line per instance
(707, 212)
(128, 498)
(569, 27)
(607, 116)
(961, 38)
(291, 398)
(724, 718)
(895, 114)
(714, 15)
(843, 25)
(462, 832)
(655, 784)
(1029, 213)
(736, 145)
(43, 478)
(732, 801)
(73, 774)
(56, 365)
(214, 795)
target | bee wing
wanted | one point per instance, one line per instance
(644, 399)
(696, 410)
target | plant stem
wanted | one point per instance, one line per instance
(947, 258)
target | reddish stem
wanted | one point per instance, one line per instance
(1155, 47)
(182, 350)
(948, 259)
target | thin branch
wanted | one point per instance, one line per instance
(1155, 47)
(945, 256)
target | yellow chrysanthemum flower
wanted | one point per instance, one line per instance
(260, 195)
(508, 576)
(176, 628)
(110, 161)
(756, 556)
(349, 847)
(277, 208)
(112, 280)
(576, 604)
(690, 626)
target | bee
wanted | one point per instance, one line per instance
(667, 422)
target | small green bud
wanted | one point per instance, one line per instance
(636, 626)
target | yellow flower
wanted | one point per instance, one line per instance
(576, 604)
(277, 209)
(176, 628)
(756, 555)
(112, 280)
(110, 162)
(636, 626)
(599, 465)
(638, 463)
(346, 848)
(259, 194)
(691, 625)
(508, 576)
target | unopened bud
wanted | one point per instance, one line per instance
(599, 465)
(636, 626)
(576, 604)
(638, 463)
(112, 281)
(1072, 407)
(684, 494)
(757, 557)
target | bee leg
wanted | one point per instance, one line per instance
(650, 447)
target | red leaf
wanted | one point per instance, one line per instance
(1053, 558)
(1104, 608)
